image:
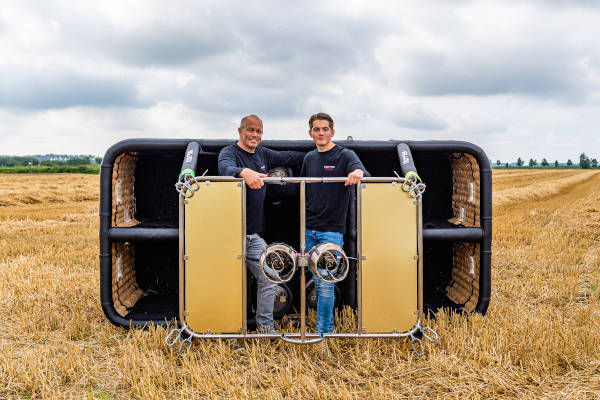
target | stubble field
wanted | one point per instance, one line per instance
(539, 339)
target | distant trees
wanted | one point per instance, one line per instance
(70, 161)
(47, 160)
(584, 161)
(51, 163)
(17, 161)
(78, 161)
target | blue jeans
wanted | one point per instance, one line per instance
(265, 295)
(325, 290)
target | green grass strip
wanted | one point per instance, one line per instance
(56, 169)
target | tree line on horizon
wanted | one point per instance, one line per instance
(48, 160)
(584, 162)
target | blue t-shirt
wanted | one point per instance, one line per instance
(327, 203)
(233, 159)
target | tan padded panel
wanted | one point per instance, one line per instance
(213, 269)
(389, 272)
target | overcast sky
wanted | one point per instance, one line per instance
(516, 78)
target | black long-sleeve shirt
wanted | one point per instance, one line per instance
(233, 159)
(327, 203)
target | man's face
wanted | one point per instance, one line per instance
(321, 133)
(250, 134)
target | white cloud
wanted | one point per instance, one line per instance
(517, 78)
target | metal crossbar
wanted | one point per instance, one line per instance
(189, 184)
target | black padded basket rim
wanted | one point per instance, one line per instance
(212, 145)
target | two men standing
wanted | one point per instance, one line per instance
(326, 206)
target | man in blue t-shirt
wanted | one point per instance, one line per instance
(327, 203)
(248, 160)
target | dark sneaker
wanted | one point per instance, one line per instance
(235, 345)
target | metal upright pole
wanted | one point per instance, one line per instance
(359, 256)
(181, 261)
(420, 257)
(302, 268)
(243, 258)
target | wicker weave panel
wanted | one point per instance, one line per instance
(466, 189)
(125, 289)
(123, 197)
(463, 289)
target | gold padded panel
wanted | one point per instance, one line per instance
(389, 272)
(213, 271)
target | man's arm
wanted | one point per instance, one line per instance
(227, 163)
(354, 177)
(252, 178)
(303, 171)
(284, 158)
(356, 170)
(228, 166)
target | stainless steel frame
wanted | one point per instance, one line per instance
(182, 201)
(243, 263)
(302, 267)
(359, 257)
(302, 337)
(419, 201)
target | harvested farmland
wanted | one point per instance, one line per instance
(539, 339)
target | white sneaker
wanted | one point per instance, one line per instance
(325, 349)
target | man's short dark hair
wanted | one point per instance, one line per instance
(322, 116)
(243, 121)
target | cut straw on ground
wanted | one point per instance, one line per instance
(539, 340)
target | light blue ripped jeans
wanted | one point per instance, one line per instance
(325, 290)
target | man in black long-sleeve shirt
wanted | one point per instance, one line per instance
(248, 160)
(327, 203)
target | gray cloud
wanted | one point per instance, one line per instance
(529, 71)
(276, 33)
(237, 99)
(416, 117)
(45, 89)
(578, 4)
(238, 58)
(165, 45)
(488, 49)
